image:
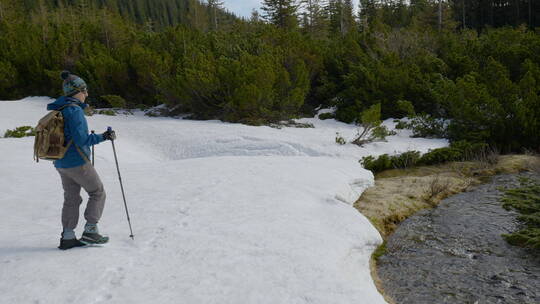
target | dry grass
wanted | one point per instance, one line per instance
(400, 193)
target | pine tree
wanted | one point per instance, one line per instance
(214, 6)
(283, 13)
(367, 11)
(314, 17)
(255, 17)
(341, 16)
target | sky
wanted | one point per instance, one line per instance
(243, 8)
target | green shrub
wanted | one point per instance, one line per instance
(525, 200)
(20, 132)
(457, 151)
(400, 125)
(426, 126)
(381, 132)
(405, 160)
(339, 139)
(115, 101)
(406, 108)
(471, 150)
(441, 155)
(383, 162)
(107, 112)
(386, 162)
(325, 116)
(370, 122)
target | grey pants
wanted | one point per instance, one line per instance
(73, 179)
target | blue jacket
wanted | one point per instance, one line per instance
(76, 128)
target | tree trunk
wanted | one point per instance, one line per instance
(530, 16)
(342, 17)
(215, 17)
(463, 8)
(440, 15)
(517, 11)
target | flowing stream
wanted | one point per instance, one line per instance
(455, 253)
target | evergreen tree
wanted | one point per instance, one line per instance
(214, 7)
(315, 18)
(341, 16)
(282, 13)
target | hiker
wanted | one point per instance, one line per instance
(75, 168)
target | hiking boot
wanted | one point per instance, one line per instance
(68, 244)
(93, 238)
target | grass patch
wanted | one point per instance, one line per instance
(380, 251)
(526, 201)
(20, 132)
(400, 193)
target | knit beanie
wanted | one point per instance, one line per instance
(73, 84)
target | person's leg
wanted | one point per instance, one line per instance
(70, 211)
(72, 201)
(88, 178)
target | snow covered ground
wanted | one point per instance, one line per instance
(222, 213)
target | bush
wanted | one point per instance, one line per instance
(370, 121)
(115, 101)
(325, 116)
(340, 140)
(441, 155)
(406, 108)
(376, 165)
(457, 151)
(406, 160)
(400, 125)
(20, 132)
(386, 162)
(425, 126)
(107, 112)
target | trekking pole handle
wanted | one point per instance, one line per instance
(109, 129)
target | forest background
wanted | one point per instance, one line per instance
(474, 64)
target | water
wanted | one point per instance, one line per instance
(455, 253)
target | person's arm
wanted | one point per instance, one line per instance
(78, 128)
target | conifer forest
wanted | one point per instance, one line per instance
(473, 63)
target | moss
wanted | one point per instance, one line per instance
(526, 201)
(379, 252)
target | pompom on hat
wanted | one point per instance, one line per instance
(73, 84)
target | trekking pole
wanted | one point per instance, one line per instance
(121, 186)
(93, 150)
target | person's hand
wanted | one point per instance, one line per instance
(109, 135)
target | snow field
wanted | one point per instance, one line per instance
(222, 213)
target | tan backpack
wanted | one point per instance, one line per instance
(49, 143)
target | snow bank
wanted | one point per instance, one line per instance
(222, 213)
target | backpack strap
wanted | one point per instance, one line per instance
(84, 156)
(67, 105)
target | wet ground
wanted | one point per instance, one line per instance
(455, 253)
